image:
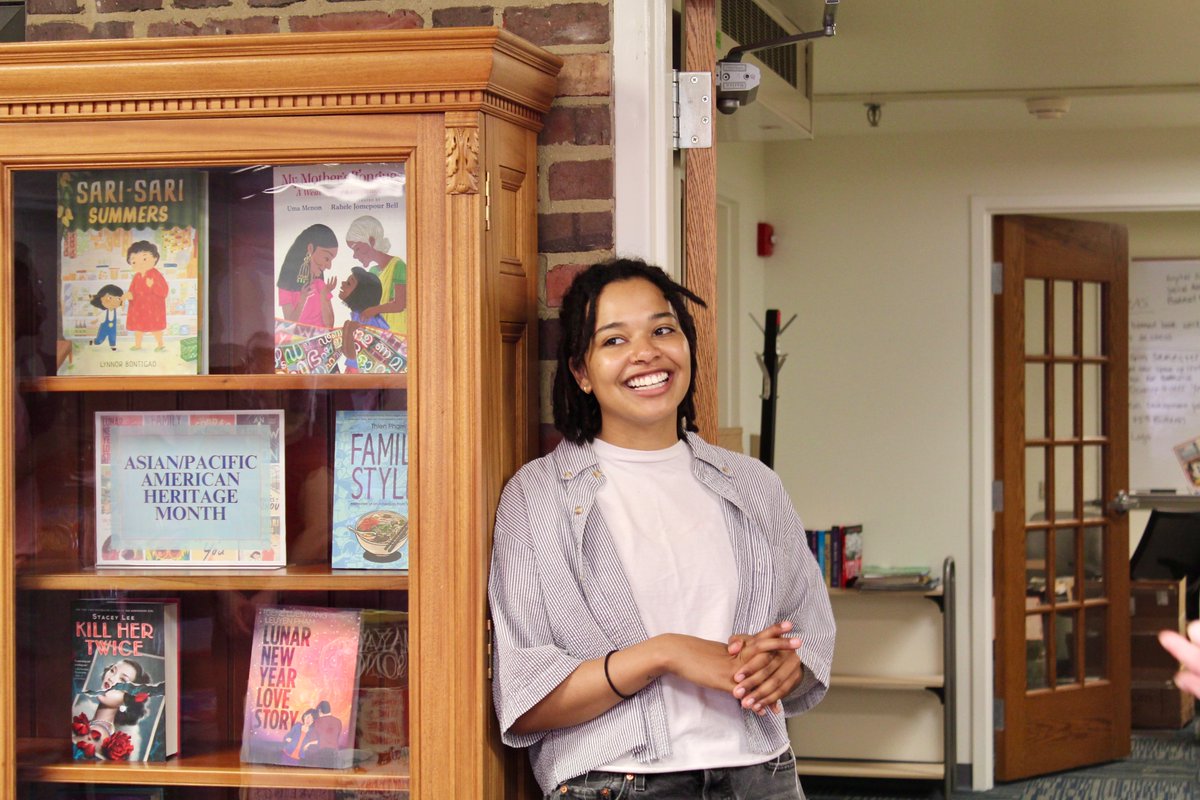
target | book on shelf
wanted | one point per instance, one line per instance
(93, 792)
(898, 579)
(302, 689)
(370, 490)
(837, 541)
(132, 249)
(341, 279)
(852, 548)
(125, 679)
(381, 728)
(1188, 454)
(190, 489)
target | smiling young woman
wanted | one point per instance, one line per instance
(656, 607)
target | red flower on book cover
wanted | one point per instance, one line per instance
(87, 748)
(118, 747)
(79, 725)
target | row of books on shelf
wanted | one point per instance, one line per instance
(326, 688)
(206, 489)
(838, 551)
(133, 269)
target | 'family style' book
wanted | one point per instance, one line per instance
(125, 679)
(370, 490)
(301, 694)
(341, 281)
(132, 248)
(381, 728)
(190, 489)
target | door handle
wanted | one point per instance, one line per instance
(1123, 502)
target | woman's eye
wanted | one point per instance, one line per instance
(664, 330)
(612, 340)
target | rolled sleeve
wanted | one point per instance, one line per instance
(528, 665)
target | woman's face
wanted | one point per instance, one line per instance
(321, 258)
(117, 672)
(364, 252)
(142, 261)
(638, 366)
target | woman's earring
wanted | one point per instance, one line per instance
(587, 388)
(305, 273)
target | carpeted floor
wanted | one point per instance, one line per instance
(1162, 766)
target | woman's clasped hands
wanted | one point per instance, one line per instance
(768, 667)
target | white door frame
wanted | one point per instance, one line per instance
(979, 579)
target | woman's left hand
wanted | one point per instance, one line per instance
(768, 667)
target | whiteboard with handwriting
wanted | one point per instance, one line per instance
(1164, 369)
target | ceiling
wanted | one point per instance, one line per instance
(970, 64)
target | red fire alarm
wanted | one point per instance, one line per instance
(766, 239)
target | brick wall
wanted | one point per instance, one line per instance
(575, 154)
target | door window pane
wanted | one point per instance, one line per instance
(1093, 403)
(1093, 561)
(1035, 317)
(1035, 566)
(1095, 643)
(1064, 318)
(1035, 483)
(1093, 481)
(1036, 655)
(1066, 662)
(1035, 401)
(1064, 565)
(1064, 401)
(1064, 482)
(1092, 321)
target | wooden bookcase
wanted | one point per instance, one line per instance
(461, 109)
(893, 686)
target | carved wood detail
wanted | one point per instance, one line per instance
(462, 160)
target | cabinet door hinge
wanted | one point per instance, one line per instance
(487, 200)
(998, 713)
(997, 278)
(691, 109)
(997, 496)
(487, 649)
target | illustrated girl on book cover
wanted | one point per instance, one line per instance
(115, 715)
(108, 299)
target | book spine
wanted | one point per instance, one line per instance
(835, 571)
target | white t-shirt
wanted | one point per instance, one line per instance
(671, 536)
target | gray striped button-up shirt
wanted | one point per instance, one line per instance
(560, 597)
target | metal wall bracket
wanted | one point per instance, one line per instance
(692, 109)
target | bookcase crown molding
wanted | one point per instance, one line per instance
(371, 71)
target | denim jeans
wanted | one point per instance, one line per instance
(771, 780)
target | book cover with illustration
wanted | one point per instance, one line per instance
(132, 248)
(1188, 454)
(381, 727)
(341, 279)
(370, 490)
(125, 679)
(300, 698)
(190, 489)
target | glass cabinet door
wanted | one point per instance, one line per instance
(211, 417)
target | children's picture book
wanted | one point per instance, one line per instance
(851, 554)
(125, 679)
(132, 249)
(341, 280)
(381, 727)
(301, 694)
(370, 490)
(190, 489)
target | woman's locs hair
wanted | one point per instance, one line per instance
(577, 413)
(289, 271)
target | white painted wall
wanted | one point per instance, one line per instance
(877, 422)
(742, 189)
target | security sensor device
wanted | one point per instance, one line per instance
(737, 82)
(737, 85)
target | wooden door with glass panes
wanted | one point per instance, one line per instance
(432, 135)
(1061, 549)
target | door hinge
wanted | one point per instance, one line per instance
(691, 109)
(997, 496)
(487, 201)
(487, 648)
(998, 713)
(997, 278)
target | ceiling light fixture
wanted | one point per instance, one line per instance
(1048, 107)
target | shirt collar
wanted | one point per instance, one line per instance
(571, 459)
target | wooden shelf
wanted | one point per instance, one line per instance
(316, 577)
(843, 768)
(886, 592)
(903, 682)
(211, 383)
(49, 760)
